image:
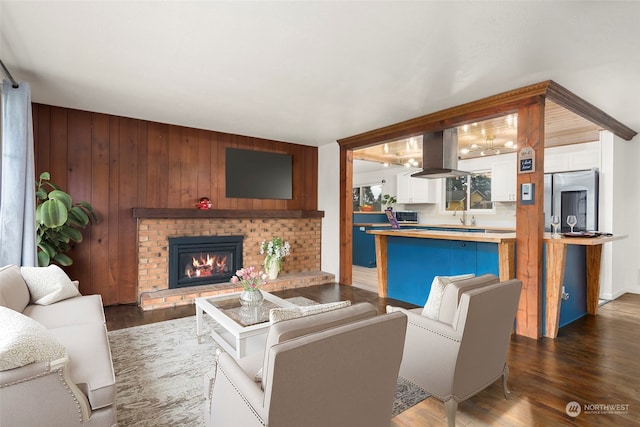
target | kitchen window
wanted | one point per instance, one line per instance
(367, 198)
(470, 193)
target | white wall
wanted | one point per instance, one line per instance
(329, 202)
(631, 154)
(619, 207)
(625, 253)
(607, 193)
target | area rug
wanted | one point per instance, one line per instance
(160, 371)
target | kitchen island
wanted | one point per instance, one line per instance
(408, 259)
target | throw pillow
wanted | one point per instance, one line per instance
(280, 314)
(432, 307)
(24, 341)
(48, 284)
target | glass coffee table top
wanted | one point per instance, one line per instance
(244, 316)
(239, 330)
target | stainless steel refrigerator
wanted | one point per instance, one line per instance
(572, 193)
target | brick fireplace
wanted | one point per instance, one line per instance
(157, 226)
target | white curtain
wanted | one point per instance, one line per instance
(17, 178)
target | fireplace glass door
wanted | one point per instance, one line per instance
(203, 260)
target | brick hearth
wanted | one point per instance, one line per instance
(301, 268)
(182, 296)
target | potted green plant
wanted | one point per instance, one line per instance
(388, 200)
(58, 220)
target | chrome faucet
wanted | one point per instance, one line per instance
(463, 219)
(473, 220)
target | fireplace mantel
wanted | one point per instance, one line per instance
(222, 213)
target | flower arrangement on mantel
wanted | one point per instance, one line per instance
(250, 278)
(274, 249)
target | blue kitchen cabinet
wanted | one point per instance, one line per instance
(413, 263)
(363, 249)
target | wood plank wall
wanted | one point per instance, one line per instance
(118, 163)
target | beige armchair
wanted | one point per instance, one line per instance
(453, 361)
(338, 368)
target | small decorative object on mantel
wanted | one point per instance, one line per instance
(204, 203)
(275, 249)
(251, 280)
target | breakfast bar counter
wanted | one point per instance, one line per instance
(408, 259)
(556, 267)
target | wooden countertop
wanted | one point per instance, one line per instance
(584, 241)
(471, 236)
(468, 236)
(414, 224)
(383, 224)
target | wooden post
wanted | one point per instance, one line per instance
(506, 262)
(381, 259)
(594, 256)
(530, 223)
(556, 258)
(346, 216)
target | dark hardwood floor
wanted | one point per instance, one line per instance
(595, 361)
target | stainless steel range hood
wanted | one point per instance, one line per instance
(440, 155)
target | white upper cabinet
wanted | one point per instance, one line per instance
(416, 190)
(503, 179)
(572, 157)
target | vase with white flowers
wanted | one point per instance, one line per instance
(274, 249)
(251, 280)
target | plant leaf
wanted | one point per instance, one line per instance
(70, 233)
(88, 209)
(63, 259)
(45, 176)
(61, 196)
(52, 213)
(43, 259)
(41, 194)
(78, 216)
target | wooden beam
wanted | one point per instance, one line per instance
(222, 213)
(570, 101)
(530, 224)
(487, 108)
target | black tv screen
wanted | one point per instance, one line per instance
(257, 174)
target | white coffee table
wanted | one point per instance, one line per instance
(239, 331)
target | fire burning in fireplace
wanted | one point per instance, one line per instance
(202, 260)
(206, 265)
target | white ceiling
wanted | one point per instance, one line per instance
(314, 72)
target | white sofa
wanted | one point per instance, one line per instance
(55, 360)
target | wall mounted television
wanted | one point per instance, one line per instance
(257, 174)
